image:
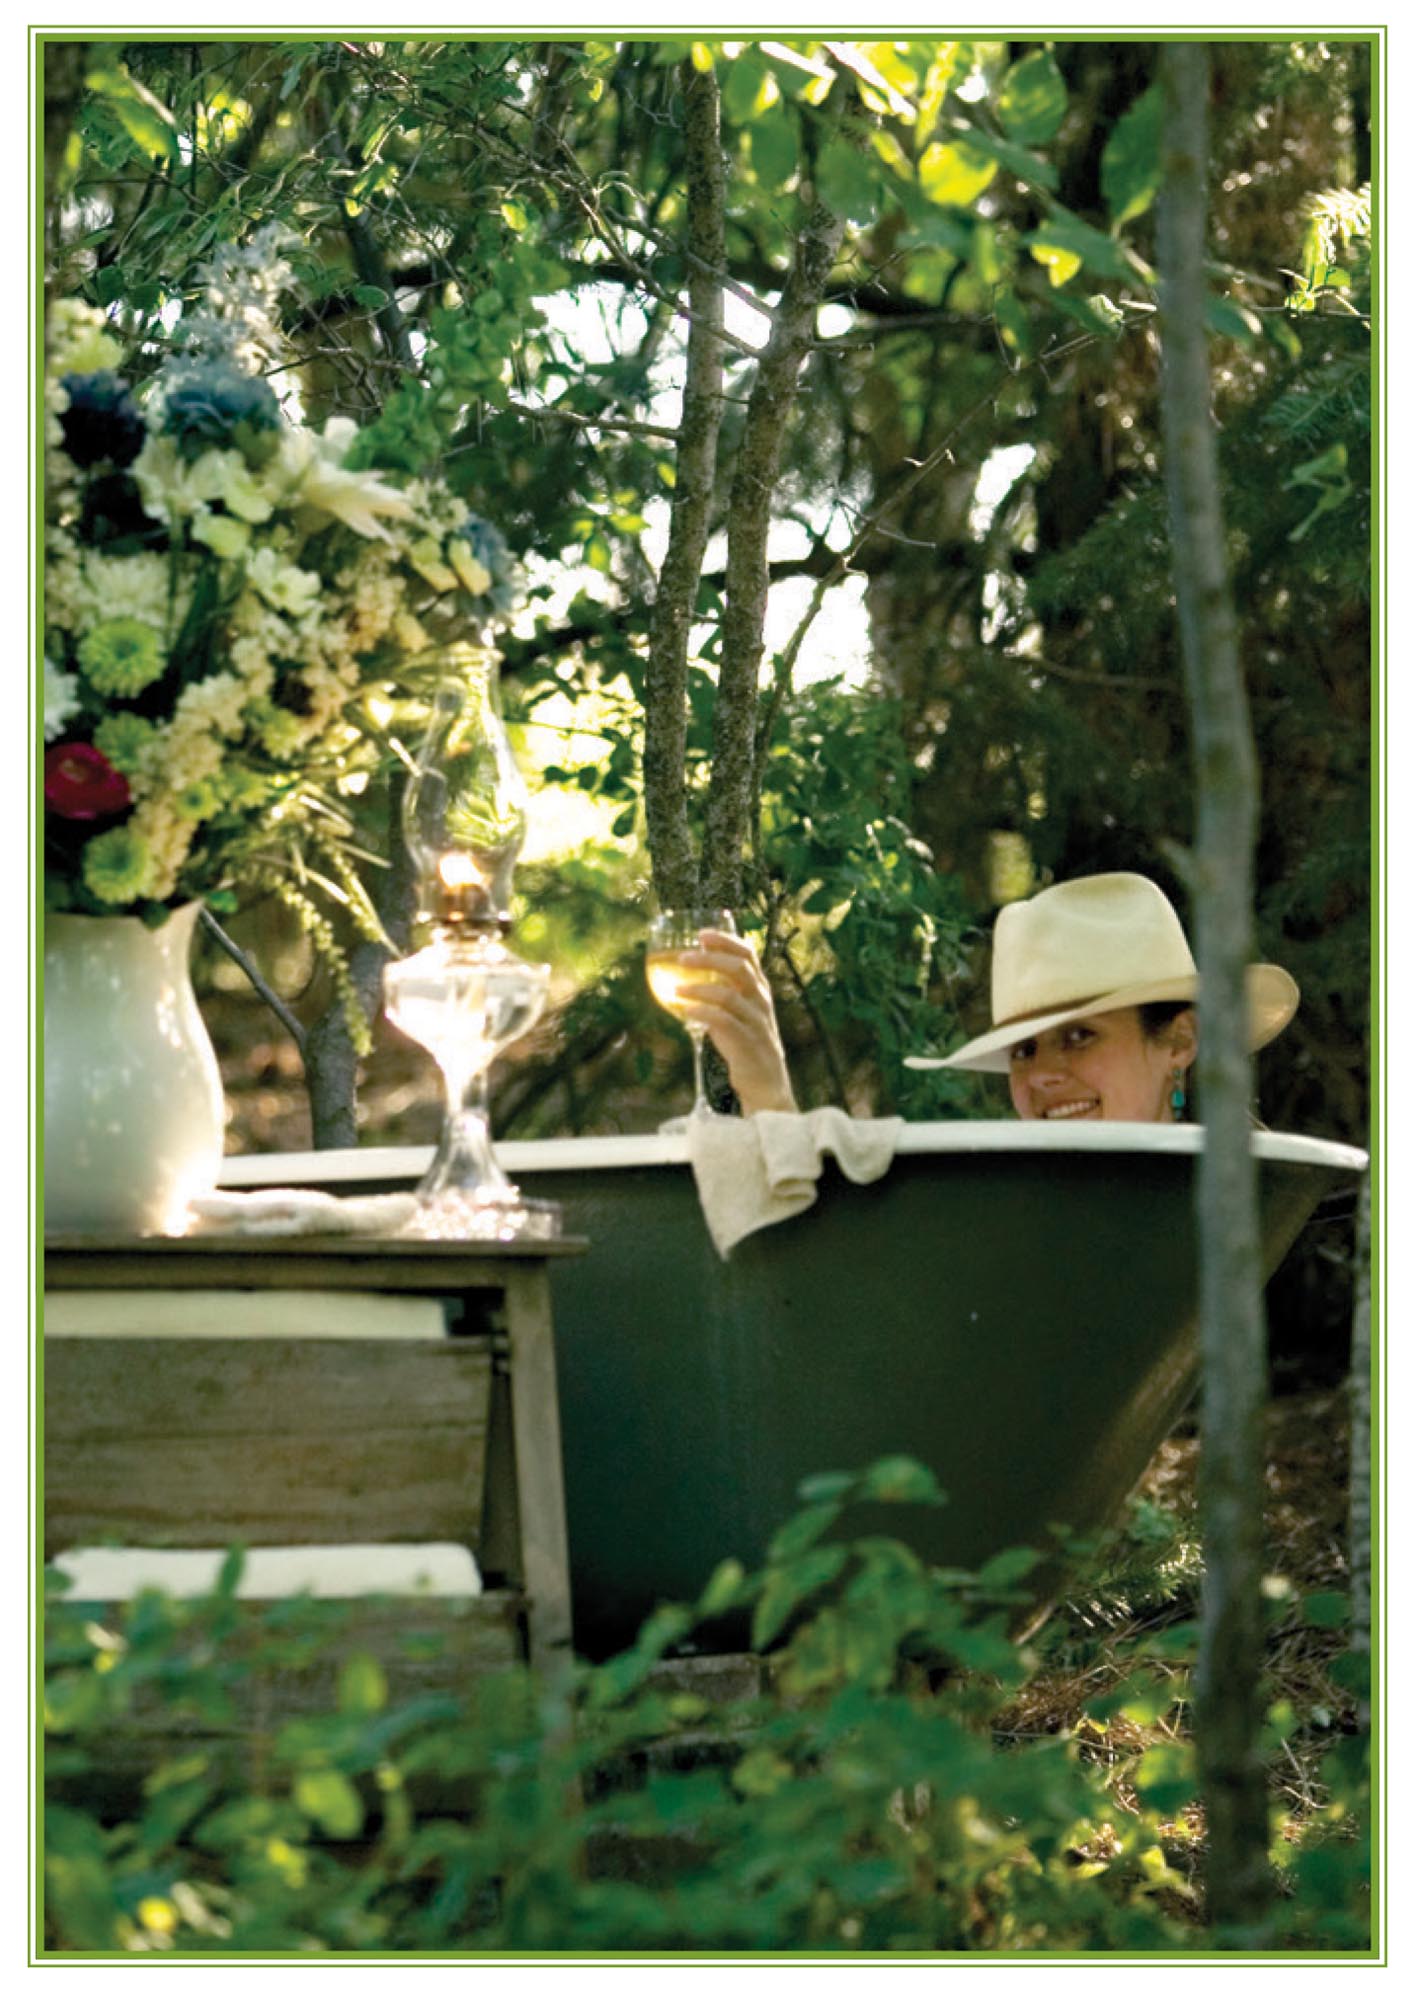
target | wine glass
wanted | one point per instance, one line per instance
(670, 981)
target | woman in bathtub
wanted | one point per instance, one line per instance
(1093, 988)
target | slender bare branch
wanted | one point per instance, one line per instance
(291, 1023)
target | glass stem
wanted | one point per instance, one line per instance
(697, 1036)
(464, 1158)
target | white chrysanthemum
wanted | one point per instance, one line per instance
(214, 704)
(61, 700)
(135, 586)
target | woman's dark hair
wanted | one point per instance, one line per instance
(1156, 1015)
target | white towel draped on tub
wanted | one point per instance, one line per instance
(755, 1171)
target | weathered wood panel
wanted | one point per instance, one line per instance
(424, 1646)
(192, 1442)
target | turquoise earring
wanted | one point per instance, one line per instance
(1177, 1099)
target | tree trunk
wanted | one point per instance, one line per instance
(1229, 1696)
(331, 1061)
(749, 522)
(1359, 1532)
(675, 869)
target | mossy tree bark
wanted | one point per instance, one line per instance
(675, 868)
(1359, 1520)
(1233, 1338)
(754, 479)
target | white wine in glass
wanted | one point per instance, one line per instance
(671, 982)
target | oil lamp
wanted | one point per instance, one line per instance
(464, 994)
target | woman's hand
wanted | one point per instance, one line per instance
(736, 1008)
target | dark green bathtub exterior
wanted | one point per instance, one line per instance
(1021, 1321)
(1024, 1326)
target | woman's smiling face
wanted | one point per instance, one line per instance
(1102, 1066)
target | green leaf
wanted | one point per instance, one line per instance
(802, 1531)
(720, 1591)
(371, 296)
(1352, 1671)
(1281, 332)
(1165, 1776)
(900, 1479)
(1029, 168)
(1064, 231)
(1005, 1568)
(1032, 102)
(228, 1576)
(363, 1685)
(772, 140)
(331, 1802)
(1097, 314)
(983, 256)
(1012, 322)
(935, 91)
(845, 183)
(954, 176)
(1147, 1705)
(1060, 264)
(145, 118)
(826, 1486)
(1326, 1609)
(1236, 322)
(785, 1589)
(1132, 161)
(744, 92)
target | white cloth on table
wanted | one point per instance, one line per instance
(754, 1171)
(301, 1212)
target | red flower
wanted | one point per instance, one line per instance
(80, 783)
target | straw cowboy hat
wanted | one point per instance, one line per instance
(1088, 947)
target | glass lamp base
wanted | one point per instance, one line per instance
(458, 1216)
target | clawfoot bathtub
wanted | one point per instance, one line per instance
(1013, 1304)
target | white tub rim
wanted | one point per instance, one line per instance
(945, 1137)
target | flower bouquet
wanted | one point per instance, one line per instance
(232, 600)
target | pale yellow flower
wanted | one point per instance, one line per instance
(318, 479)
(282, 585)
(223, 535)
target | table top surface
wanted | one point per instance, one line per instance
(271, 1262)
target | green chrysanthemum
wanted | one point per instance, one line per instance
(199, 800)
(243, 788)
(281, 732)
(116, 866)
(125, 741)
(121, 656)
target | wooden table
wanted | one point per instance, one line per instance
(280, 1390)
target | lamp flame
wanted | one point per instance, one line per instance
(458, 870)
